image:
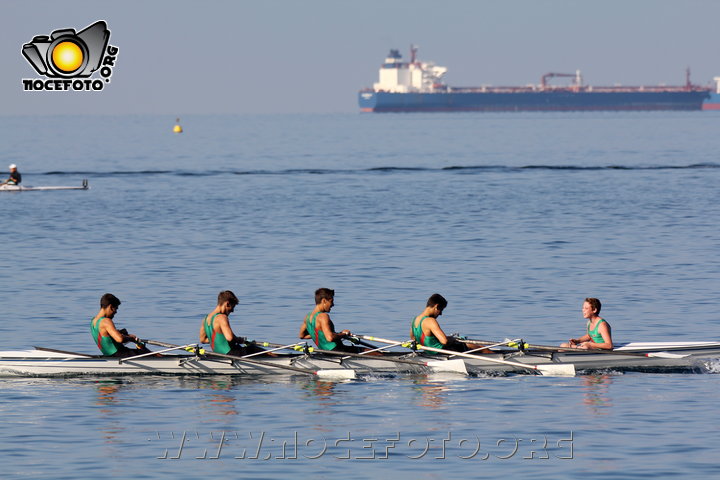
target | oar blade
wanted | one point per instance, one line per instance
(666, 355)
(336, 374)
(557, 370)
(454, 366)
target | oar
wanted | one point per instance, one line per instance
(375, 348)
(548, 348)
(277, 347)
(550, 369)
(43, 349)
(454, 366)
(355, 339)
(147, 354)
(340, 373)
(486, 345)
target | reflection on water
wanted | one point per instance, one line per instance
(107, 400)
(107, 389)
(596, 393)
(321, 391)
(432, 393)
(221, 405)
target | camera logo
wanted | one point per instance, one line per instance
(68, 57)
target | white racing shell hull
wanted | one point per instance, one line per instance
(28, 188)
(684, 356)
(45, 363)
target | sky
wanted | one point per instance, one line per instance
(183, 57)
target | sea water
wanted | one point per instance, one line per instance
(514, 218)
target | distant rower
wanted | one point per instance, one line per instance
(15, 177)
(599, 335)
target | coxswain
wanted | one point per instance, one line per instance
(107, 337)
(599, 333)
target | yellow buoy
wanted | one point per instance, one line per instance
(177, 128)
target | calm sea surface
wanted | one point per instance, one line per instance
(515, 218)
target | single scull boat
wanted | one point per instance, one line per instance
(28, 188)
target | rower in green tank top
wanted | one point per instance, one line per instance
(218, 343)
(316, 333)
(107, 337)
(318, 326)
(427, 340)
(106, 344)
(426, 330)
(215, 329)
(599, 333)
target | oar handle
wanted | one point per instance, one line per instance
(411, 344)
(356, 339)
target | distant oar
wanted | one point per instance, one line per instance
(548, 348)
(340, 373)
(557, 370)
(454, 366)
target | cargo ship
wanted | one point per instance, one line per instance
(417, 86)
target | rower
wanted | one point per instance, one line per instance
(15, 177)
(599, 333)
(107, 337)
(318, 326)
(426, 330)
(215, 329)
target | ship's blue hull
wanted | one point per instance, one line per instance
(370, 101)
(713, 102)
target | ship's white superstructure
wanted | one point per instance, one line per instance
(406, 77)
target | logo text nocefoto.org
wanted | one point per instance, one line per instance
(68, 59)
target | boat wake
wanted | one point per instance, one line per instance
(388, 170)
(712, 366)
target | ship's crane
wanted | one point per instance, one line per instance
(577, 82)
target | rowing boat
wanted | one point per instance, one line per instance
(29, 188)
(645, 357)
(47, 362)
